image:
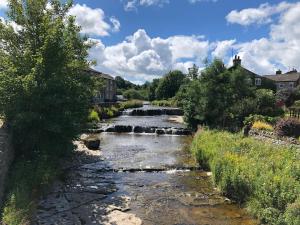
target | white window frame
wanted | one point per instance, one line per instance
(257, 81)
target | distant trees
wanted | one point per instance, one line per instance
(169, 85)
(193, 72)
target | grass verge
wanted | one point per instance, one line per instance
(263, 176)
(26, 180)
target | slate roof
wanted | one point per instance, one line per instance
(105, 76)
(288, 77)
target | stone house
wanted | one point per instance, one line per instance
(257, 80)
(288, 81)
(109, 93)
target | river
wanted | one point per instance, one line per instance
(140, 179)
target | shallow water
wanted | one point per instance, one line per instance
(171, 196)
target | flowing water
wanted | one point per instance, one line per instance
(156, 177)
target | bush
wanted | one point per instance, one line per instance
(267, 119)
(259, 125)
(263, 176)
(94, 117)
(165, 103)
(292, 214)
(131, 104)
(288, 127)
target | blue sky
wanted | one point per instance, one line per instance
(143, 39)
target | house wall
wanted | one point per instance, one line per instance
(286, 85)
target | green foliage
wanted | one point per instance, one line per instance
(288, 127)
(169, 85)
(152, 89)
(26, 179)
(267, 119)
(223, 97)
(123, 84)
(45, 96)
(165, 103)
(93, 117)
(135, 94)
(264, 176)
(131, 104)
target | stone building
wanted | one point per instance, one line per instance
(109, 93)
(257, 80)
(288, 81)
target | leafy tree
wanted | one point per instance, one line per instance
(123, 84)
(45, 96)
(193, 72)
(169, 85)
(135, 94)
(223, 98)
(152, 89)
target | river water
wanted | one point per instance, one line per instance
(156, 176)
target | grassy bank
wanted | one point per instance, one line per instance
(165, 103)
(100, 113)
(264, 177)
(26, 180)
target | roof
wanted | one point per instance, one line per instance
(288, 77)
(103, 75)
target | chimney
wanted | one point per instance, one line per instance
(237, 61)
(278, 72)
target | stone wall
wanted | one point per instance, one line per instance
(6, 156)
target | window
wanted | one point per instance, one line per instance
(291, 84)
(280, 85)
(257, 81)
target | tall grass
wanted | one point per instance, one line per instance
(165, 103)
(26, 180)
(263, 176)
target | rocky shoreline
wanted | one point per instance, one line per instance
(85, 195)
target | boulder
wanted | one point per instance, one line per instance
(123, 129)
(92, 143)
(138, 129)
(160, 131)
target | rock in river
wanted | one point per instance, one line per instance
(92, 142)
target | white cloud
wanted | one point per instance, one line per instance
(3, 4)
(93, 21)
(261, 15)
(141, 58)
(116, 24)
(15, 26)
(131, 5)
(281, 50)
(222, 48)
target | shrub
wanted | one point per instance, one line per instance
(94, 117)
(259, 125)
(267, 119)
(292, 214)
(288, 127)
(131, 104)
(165, 103)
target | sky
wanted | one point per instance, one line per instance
(143, 39)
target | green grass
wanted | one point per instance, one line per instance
(26, 180)
(165, 103)
(131, 104)
(264, 177)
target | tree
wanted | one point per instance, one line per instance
(193, 72)
(220, 98)
(152, 89)
(169, 85)
(45, 96)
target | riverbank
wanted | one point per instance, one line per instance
(263, 176)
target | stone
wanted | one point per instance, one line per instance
(159, 131)
(92, 143)
(123, 129)
(138, 129)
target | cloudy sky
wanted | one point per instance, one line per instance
(142, 39)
